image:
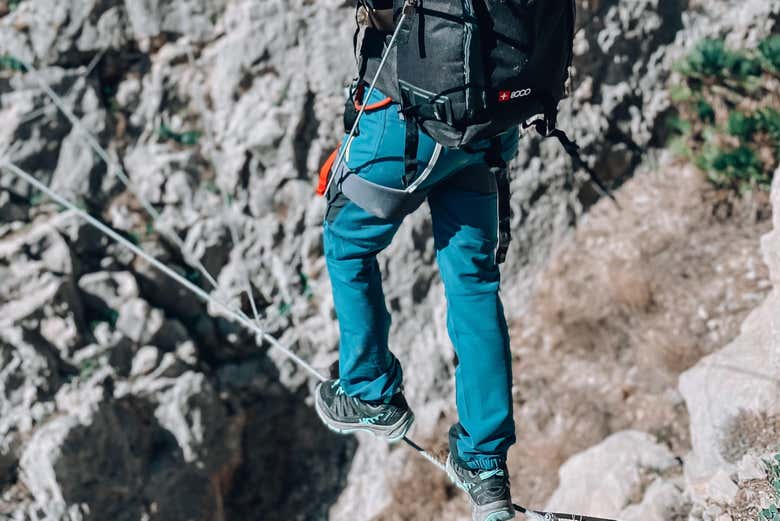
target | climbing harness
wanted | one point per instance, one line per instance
(384, 202)
(337, 164)
(232, 312)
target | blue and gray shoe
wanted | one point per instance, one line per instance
(345, 414)
(487, 489)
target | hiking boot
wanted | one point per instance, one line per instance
(487, 489)
(345, 414)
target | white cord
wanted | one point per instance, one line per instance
(428, 169)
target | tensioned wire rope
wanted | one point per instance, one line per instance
(114, 168)
(235, 313)
(227, 205)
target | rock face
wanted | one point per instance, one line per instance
(732, 394)
(731, 397)
(28, 379)
(603, 480)
(218, 113)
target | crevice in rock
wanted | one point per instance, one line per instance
(304, 135)
(292, 466)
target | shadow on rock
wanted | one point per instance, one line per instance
(293, 467)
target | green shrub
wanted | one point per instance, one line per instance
(768, 120)
(717, 102)
(772, 513)
(770, 52)
(765, 120)
(712, 59)
(680, 93)
(9, 62)
(709, 58)
(737, 168)
(743, 67)
(678, 125)
(742, 126)
(705, 111)
(739, 162)
(183, 138)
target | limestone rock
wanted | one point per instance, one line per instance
(193, 18)
(38, 138)
(29, 377)
(662, 501)
(732, 394)
(192, 412)
(61, 461)
(138, 321)
(37, 286)
(108, 289)
(12, 207)
(55, 32)
(750, 468)
(145, 360)
(605, 479)
(719, 489)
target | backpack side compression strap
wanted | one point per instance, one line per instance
(412, 140)
(546, 129)
(498, 168)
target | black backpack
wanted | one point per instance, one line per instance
(470, 69)
(465, 71)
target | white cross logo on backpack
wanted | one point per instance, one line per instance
(506, 95)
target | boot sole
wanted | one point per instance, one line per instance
(391, 433)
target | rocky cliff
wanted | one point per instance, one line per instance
(123, 397)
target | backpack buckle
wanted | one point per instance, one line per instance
(427, 105)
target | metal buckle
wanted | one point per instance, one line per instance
(410, 6)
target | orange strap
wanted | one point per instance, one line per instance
(374, 106)
(328, 165)
(325, 172)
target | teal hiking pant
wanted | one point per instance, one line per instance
(464, 214)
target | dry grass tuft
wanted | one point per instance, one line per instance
(750, 433)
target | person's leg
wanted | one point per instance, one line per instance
(465, 233)
(352, 239)
(366, 395)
